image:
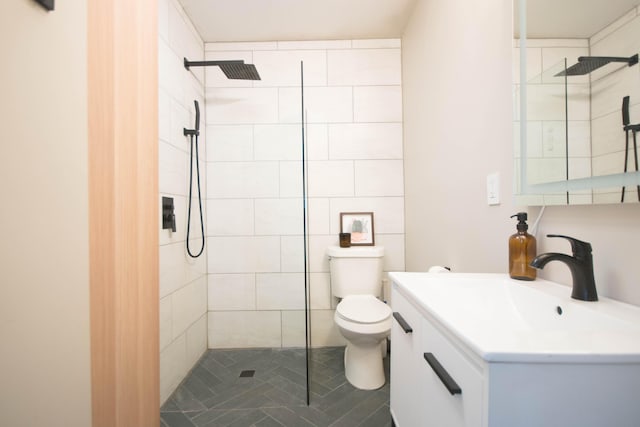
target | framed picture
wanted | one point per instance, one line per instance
(360, 225)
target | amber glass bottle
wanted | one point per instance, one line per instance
(522, 250)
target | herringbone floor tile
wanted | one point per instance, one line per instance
(274, 394)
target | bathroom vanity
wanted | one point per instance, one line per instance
(486, 350)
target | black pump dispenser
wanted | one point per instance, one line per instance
(522, 218)
(522, 250)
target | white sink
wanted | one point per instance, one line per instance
(509, 320)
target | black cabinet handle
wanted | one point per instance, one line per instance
(442, 373)
(403, 323)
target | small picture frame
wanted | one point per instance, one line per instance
(360, 225)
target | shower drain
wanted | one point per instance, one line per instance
(247, 373)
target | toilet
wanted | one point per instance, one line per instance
(363, 320)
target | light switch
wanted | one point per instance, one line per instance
(493, 189)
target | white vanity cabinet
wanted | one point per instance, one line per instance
(505, 354)
(443, 391)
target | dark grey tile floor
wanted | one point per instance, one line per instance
(215, 393)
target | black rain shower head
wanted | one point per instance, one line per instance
(236, 70)
(587, 64)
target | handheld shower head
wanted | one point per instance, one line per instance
(197, 116)
(195, 131)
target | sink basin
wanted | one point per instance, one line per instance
(508, 320)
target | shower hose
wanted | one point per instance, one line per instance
(199, 195)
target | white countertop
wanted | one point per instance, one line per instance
(506, 320)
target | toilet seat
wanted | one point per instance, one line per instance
(363, 309)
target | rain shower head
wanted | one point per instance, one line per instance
(236, 70)
(587, 64)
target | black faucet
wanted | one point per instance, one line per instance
(580, 264)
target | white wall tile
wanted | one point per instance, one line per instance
(163, 19)
(240, 46)
(183, 38)
(314, 44)
(259, 162)
(189, 303)
(165, 322)
(173, 366)
(322, 104)
(170, 71)
(197, 340)
(173, 170)
(318, 261)
(177, 268)
(317, 142)
(244, 254)
(242, 329)
(364, 67)
(229, 292)
(278, 142)
(293, 328)
(324, 332)
(331, 178)
(229, 143)
(164, 116)
(242, 105)
(282, 68)
(290, 179)
(365, 141)
(320, 291)
(230, 217)
(377, 104)
(318, 216)
(280, 291)
(278, 217)
(379, 178)
(292, 254)
(243, 179)
(388, 212)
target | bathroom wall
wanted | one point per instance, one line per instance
(44, 291)
(451, 146)
(183, 280)
(353, 107)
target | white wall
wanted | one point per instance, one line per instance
(457, 110)
(456, 61)
(354, 103)
(44, 291)
(183, 280)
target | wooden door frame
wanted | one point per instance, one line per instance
(123, 217)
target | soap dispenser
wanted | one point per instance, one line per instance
(522, 250)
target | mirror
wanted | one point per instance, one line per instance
(569, 120)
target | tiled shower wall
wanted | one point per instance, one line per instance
(183, 281)
(353, 103)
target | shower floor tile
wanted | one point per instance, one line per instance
(219, 391)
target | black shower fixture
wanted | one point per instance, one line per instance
(587, 64)
(236, 70)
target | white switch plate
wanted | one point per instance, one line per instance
(493, 189)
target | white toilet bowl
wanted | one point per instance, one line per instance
(365, 322)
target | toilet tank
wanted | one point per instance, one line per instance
(355, 270)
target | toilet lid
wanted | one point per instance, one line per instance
(363, 309)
